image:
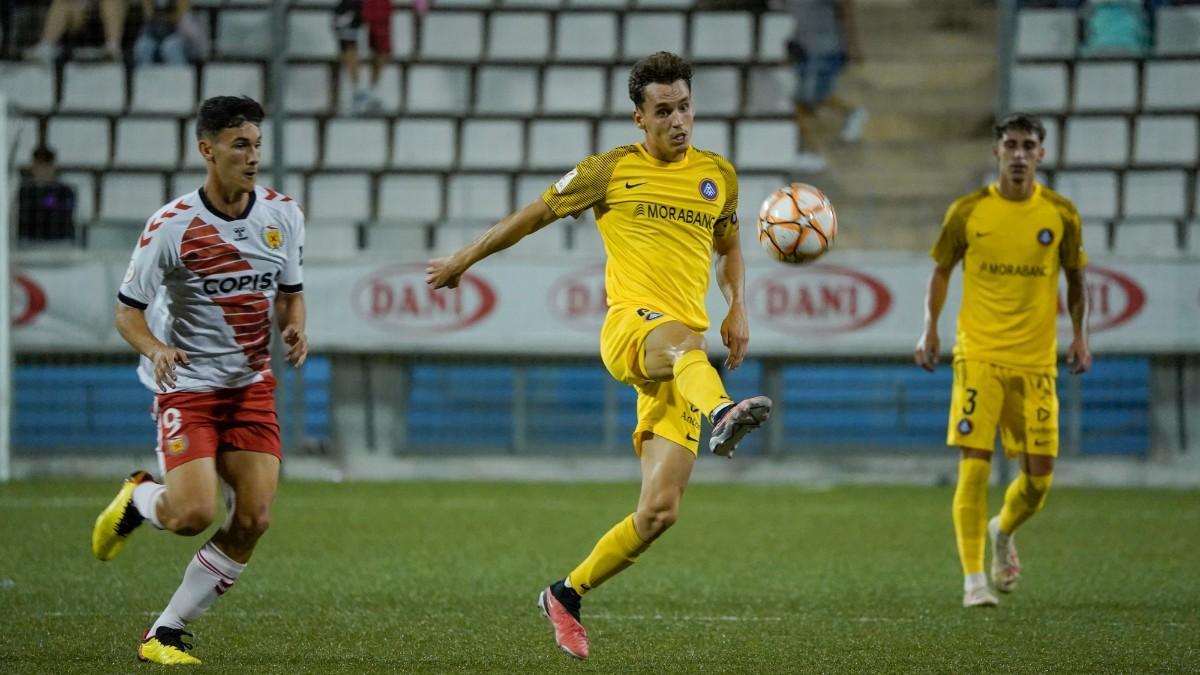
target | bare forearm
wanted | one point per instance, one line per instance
(509, 231)
(731, 276)
(1077, 302)
(290, 311)
(935, 296)
(132, 326)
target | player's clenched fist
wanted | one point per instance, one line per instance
(926, 353)
(443, 272)
(297, 343)
(164, 359)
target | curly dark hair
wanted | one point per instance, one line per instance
(1030, 124)
(658, 68)
(226, 112)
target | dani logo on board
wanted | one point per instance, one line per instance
(819, 299)
(579, 300)
(398, 297)
(28, 300)
(1113, 299)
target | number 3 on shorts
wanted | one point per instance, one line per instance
(969, 407)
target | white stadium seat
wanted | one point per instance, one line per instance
(79, 142)
(339, 197)
(531, 186)
(23, 138)
(1095, 237)
(519, 36)
(1052, 142)
(1047, 33)
(585, 36)
(492, 144)
(1106, 86)
(146, 143)
(452, 36)
(1167, 140)
(573, 89)
(771, 91)
(419, 143)
(1193, 239)
(717, 90)
(1155, 239)
(1150, 194)
(356, 144)
(558, 145)
(1096, 141)
(722, 36)
(1039, 87)
(232, 79)
(410, 198)
(711, 135)
(774, 29)
(547, 4)
(1094, 193)
(85, 195)
(132, 197)
(440, 89)
(1177, 31)
(244, 33)
(330, 240)
(164, 89)
(617, 132)
(402, 35)
(597, 4)
(618, 91)
(28, 86)
(1171, 85)
(753, 188)
(387, 91)
(183, 182)
(93, 87)
(300, 143)
(311, 35)
(404, 242)
(480, 198)
(664, 4)
(505, 90)
(765, 144)
(307, 90)
(649, 32)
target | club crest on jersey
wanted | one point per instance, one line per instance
(273, 236)
(177, 445)
(965, 426)
(708, 189)
(1045, 237)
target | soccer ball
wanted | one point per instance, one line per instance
(796, 224)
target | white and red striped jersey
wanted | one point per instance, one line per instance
(219, 275)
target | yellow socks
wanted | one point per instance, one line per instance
(1023, 498)
(699, 383)
(616, 550)
(970, 513)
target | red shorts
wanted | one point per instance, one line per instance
(199, 424)
(377, 14)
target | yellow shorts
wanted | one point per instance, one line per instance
(1022, 403)
(661, 409)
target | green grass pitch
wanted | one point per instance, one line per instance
(443, 577)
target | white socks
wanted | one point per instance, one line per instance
(209, 574)
(973, 581)
(145, 500)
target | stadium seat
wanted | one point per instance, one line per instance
(483, 198)
(547, 4)
(616, 132)
(1096, 141)
(23, 138)
(573, 89)
(79, 142)
(293, 186)
(1150, 194)
(164, 89)
(1177, 31)
(307, 90)
(403, 29)
(1095, 237)
(410, 198)
(664, 4)
(506, 90)
(711, 135)
(1111, 86)
(1154, 239)
(339, 197)
(770, 91)
(299, 139)
(146, 143)
(330, 240)
(753, 188)
(765, 144)
(492, 144)
(717, 90)
(722, 36)
(1039, 87)
(1193, 239)
(597, 4)
(600, 29)
(183, 182)
(1171, 85)
(113, 235)
(404, 243)
(531, 186)
(311, 35)
(1043, 33)
(132, 197)
(426, 144)
(649, 32)
(356, 144)
(388, 90)
(450, 236)
(452, 36)
(85, 195)
(1052, 142)
(774, 30)
(437, 89)
(1094, 193)
(244, 33)
(618, 91)
(557, 145)
(1165, 140)
(232, 79)
(93, 87)
(29, 86)
(519, 36)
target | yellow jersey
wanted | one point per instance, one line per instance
(1011, 253)
(658, 221)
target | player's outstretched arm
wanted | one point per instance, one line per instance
(131, 324)
(929, 346)
(1079, 356)
(731, 278)
(445, 272)
(291, 314)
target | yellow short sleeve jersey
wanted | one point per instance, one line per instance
(1011, 253)
(658, 220)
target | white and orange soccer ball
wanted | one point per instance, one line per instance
(796, 224)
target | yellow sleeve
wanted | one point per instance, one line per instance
(584, 186)
(952, 242)
(727, 221)
(1070, 251)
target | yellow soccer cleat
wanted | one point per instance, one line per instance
(166, 647)
(118, 520)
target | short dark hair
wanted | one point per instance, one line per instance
(226, 112)
(43, 154)
(1030, 124)
(658, 68)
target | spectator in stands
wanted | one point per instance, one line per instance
(45, 205)
(168, 34)
(348, 19)
(824, 39)
(67, 16)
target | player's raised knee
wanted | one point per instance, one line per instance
(657, 518)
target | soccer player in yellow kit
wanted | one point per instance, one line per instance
(1012, 237)
(664, 209)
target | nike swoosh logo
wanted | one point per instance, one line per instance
(1041, 442)
(689, 437)
(630, 186)
(982, 234)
